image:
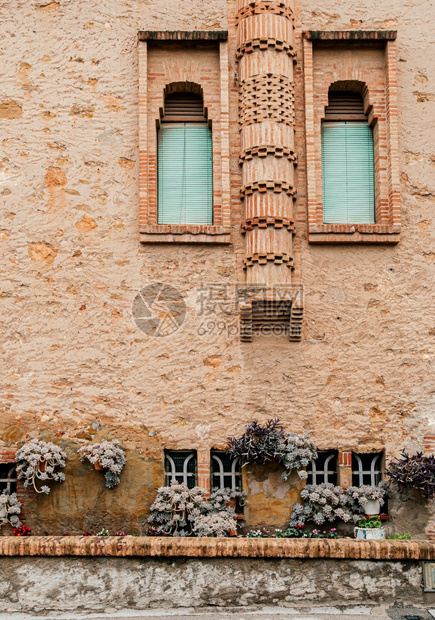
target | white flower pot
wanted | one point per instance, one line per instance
(3, 513)
(369, 533)
(372, 507)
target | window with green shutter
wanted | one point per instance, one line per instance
(185, 162)
(347, 162)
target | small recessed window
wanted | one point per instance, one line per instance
(347, 161)
(366, 469)
(226, 472)
(185, 162)
(8, 477)
(324, 468)
(181, 467)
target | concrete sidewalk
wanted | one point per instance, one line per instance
(266, 613)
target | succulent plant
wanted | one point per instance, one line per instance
(10, 508)
(38, 461)
(109, 455)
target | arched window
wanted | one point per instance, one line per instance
(185, 163)
(347, 161)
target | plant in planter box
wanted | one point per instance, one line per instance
(38, 461)
(180, 511)
(322, 502)
(264, 443)
(368, 499)
(10, 508)
(107, 456)
(415, 472)
(369, 529)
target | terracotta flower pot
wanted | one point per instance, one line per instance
(42, 465)
(232, 533)
(98, 466)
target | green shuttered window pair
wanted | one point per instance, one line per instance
(348, 173)
(185, 174)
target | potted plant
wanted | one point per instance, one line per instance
(10, 508)
(38, 461)
(415, 472)
(369, 529)
(368, 498)
(107, 456)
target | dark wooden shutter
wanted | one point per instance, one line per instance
(345, 106)
(183, 108)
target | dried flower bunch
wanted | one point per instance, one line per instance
(10, 508)
(110, 456)
(366, 493)
(415, 472)
(264, 443)
(38, 461)
(322, 502)
(180, 511)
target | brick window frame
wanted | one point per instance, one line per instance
(381, 107)
(183, 65)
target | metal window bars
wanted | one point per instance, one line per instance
(8, 477)
(366, 469)
(323, 469)
(226, 472)
(181, 467)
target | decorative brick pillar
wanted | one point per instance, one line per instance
(345, 469)
(429, 448)
(266, 116)
(204, 469)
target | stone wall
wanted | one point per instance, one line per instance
(73, 361)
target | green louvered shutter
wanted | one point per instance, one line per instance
(348, 173)
(185, 174)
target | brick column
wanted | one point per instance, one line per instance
(204, 469)
(429, 448)
(345, 469)
(266, 117)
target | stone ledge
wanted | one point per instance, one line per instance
(351, 35)
(129, 546)
(183, 35)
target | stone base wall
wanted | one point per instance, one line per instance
(36, 584)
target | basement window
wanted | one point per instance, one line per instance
(181, 467)
(8, 477)
(225, 471)
(324, 468)
(366, 469)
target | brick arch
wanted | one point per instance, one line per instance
(184, 87)
(356, 86)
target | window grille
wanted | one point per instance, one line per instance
(225, 471)
(366, 469)
(8, 477)
(324, 468)
(181, 466)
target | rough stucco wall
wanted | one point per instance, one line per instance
(71, 261)
(52, 584)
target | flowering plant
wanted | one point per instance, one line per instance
(38, 461)
(365, 493)
(416, 471)
(180, 511)
(22, 530)
(109, 455)
(10, 508)
(263, 443)
(293, 532)
(322, 502)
